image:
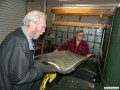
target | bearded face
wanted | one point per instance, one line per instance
(39, 29)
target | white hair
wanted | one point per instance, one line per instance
(33, 16)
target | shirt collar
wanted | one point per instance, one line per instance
(31, 44)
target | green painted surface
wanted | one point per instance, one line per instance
(111, 74)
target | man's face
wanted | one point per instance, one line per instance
(40, 28)
(80, 36)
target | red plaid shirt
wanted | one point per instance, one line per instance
(81, 49)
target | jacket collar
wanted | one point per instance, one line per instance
(31, 44)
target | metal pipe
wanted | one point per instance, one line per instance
(43, 41)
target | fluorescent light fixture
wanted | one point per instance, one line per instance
(88, 5)
(101, 6)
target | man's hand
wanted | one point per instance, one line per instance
(55, 50)
(46, 67)
(89, 55)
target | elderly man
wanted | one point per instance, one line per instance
(18, 69)
(76, 45)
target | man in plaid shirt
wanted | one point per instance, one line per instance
(77, 45)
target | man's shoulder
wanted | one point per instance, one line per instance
(83, 41)
(16, 32)
(17, 36)
(72, 40)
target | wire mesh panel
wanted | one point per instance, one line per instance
(94, 36)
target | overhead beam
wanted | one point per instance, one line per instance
(74, 11)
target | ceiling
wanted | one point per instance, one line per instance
(91, 1)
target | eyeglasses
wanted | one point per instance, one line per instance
(81, 35)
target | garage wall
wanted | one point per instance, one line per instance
(11, 15)
(33, 5)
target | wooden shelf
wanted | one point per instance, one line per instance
(74, 11)
(82, 24)
(80, 12)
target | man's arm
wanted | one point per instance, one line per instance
(88, 50)
(21, 67)
(63, 46)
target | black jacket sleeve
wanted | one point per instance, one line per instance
(21, 64)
